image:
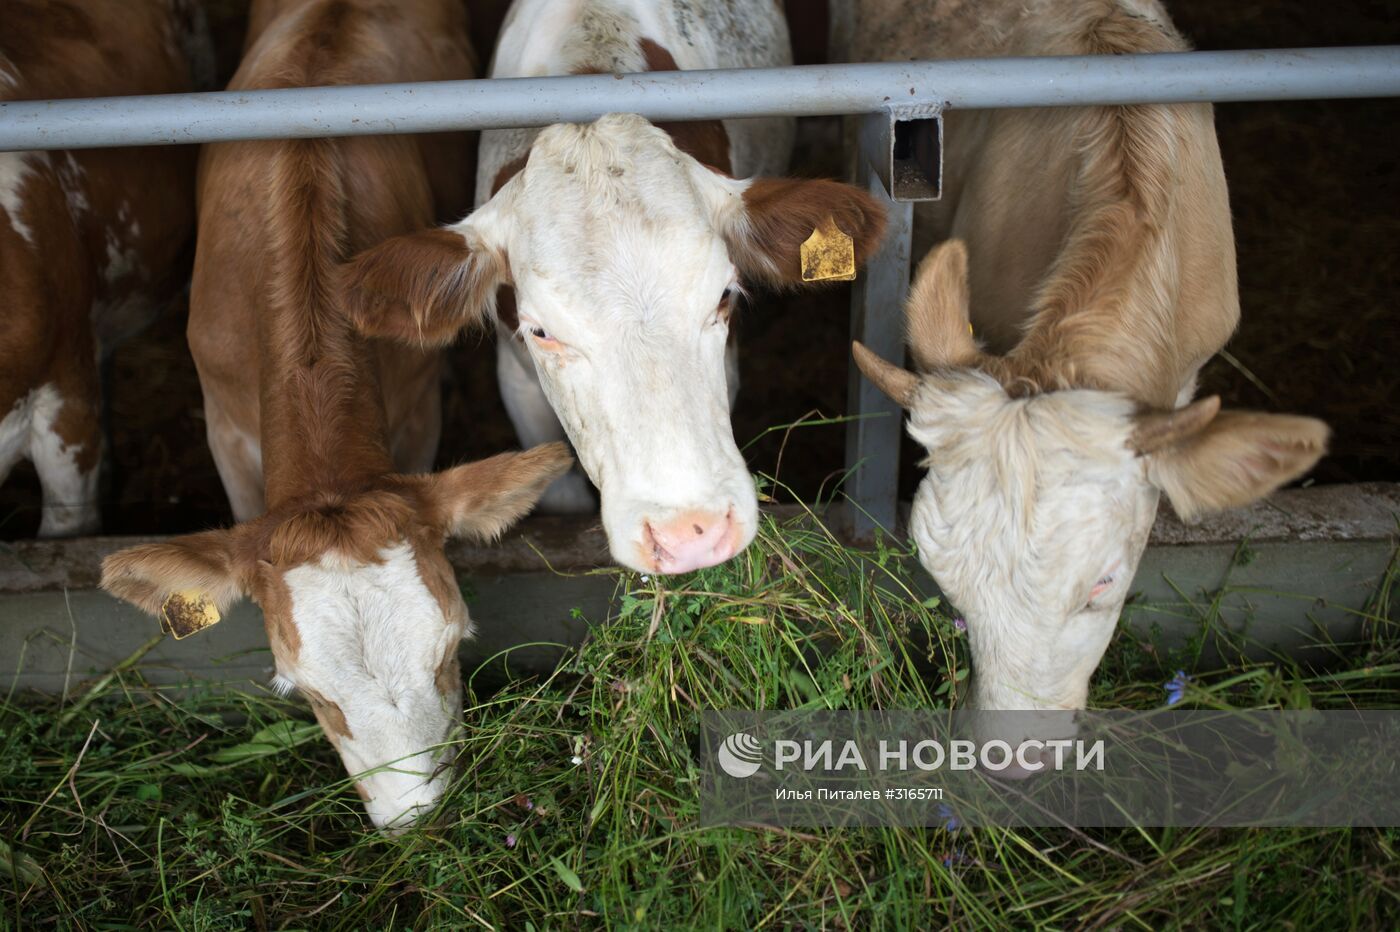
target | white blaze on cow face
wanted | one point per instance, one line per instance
(375, 653)
(623, 285)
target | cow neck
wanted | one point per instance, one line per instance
(323, 420)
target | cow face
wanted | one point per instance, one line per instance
(626, 256)
(362, 609)
(1035, 510)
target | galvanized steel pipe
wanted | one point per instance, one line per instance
(812, 90)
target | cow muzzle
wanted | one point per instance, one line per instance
(691, 540)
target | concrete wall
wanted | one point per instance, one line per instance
(1284, 574)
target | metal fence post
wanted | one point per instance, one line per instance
(899, 159)
(872, 439)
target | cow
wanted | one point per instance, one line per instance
(90, 240)
(1086, 273)
(621, 248)
(362, 609)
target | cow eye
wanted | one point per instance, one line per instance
(725, 307)
(538, 333)
(1100, 587)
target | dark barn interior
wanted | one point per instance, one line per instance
(1313, 188)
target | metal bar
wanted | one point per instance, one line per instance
(877, 320)
(812, 90)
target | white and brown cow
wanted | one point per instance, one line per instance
(362, 609)
(626, 244)
(1092, 252)
(90, 239)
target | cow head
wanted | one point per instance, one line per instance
(1036, 509)
(362, 608)
(626, 256)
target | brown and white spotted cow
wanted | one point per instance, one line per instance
(625, 244)
(89, 239)
(1091, 249)
(362, 609)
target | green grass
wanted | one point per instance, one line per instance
(576, 801)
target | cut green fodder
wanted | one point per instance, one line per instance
(576, 799)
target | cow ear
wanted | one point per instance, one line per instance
(1231, 459)
(481, 500)
(778, 215)
(423, 288)
(206, 563)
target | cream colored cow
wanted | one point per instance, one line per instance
(1088, 274)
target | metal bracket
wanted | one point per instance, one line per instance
(908, 155)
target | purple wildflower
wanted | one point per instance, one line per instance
(510, 841)
(960, 623)
(951, 822)
(1176, 687)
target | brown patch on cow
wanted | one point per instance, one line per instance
(781, 213)
(330, 716)
(79, 424)
(275, 600)
(422, 288)
(706, 141)
(438, 576)
(657, 56)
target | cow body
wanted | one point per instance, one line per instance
(1057, 173)
(1090, 251)
(391, 184)
(89, 239)
(307, 418)
(619, 249)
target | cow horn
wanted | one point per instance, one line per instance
(897, 383)
(1157, 430)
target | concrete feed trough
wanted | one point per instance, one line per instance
(1292, 572)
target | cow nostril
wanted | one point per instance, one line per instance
(698, 530)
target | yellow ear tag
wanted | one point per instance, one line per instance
(828, 255)
(188, 612)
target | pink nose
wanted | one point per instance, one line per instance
(690, 541)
